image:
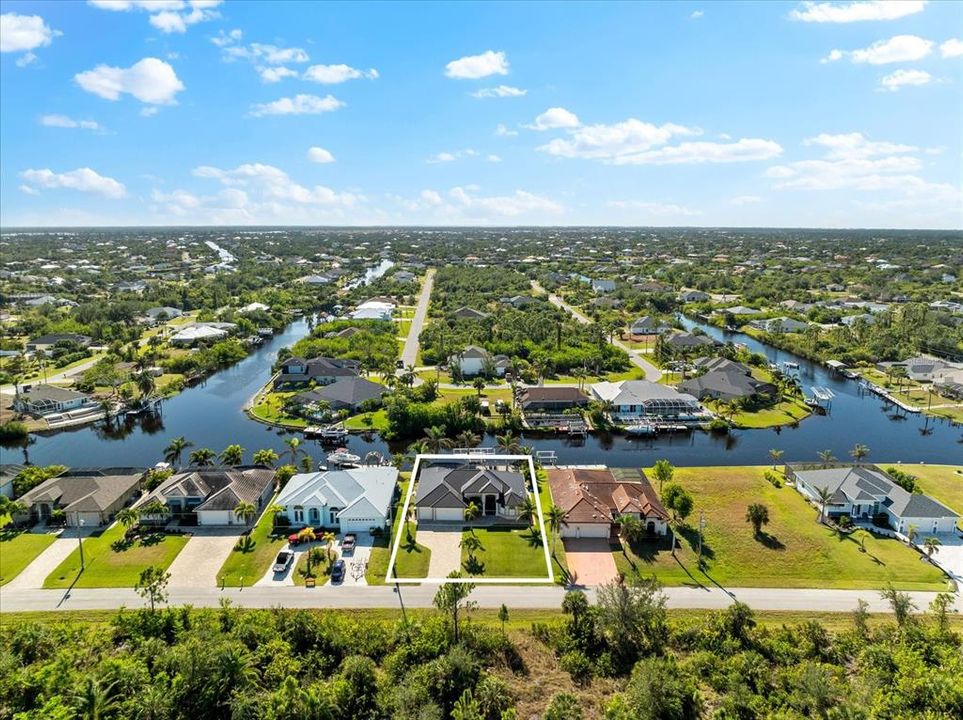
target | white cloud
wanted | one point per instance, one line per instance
(499, 92)
(298, 105)
(26, 59)
(62, 121)
(655, 209)
(447, 157)
(493, 158)
(223, 39)
(507, 206)
(272, 185)
(259, 53)
(834, 12)
(82, 179)
(696, 14)
(151, 81)
(23, 33)
(899, 48)
(556, 117)
(334, 74)
(697, 153)
(898, 79)
(320, 155)
(276, 74)
(168, 16)
(503, 131)
(473, 67)
(952, 48)
(745, 200)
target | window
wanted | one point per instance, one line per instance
(314, 515)
(299, 515)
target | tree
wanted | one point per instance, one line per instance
(632, 619)
(479, 384)
(941, 606)
(245, 511)
(678, 501)
(294, 449)
(472, 512)
(232, 455)
(471, 544)
(528, 511)
(757, 515)
(436, 439)
(128, 517)
(175, 450)
(858, 452)
(901, 604)
(823, 496)
(507, 443)
(452, 598)
(630, 529)
(145, 383)
(775, 455)
(467, 439)
(203, 456)
(931, 544)
(663, 472)
(657, 690)
(556, 521)
(503, 616)
(152, 585)
(95, 700)
(826, 457)
(155, 508)
(265, 457)
(563, 706)
(912, 532)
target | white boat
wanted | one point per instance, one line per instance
(791, 364)
(342, 457)
(640, 429)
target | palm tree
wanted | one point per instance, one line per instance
(128, 517)
(930, 545)
(912, 532)
(155, 508)
(775, 456)
(472, 512)
(232, 455)
(528, 511)
(203, 456)
(95, 701)
(419, 447)
(245, 511)
(859, 451)
(479, 384)
(471, 544)
(826, 457)
(467, 439)
(436, 439)
(294, 449)
(630, 529)
(508, 443)
(556, 519)
(663, 472)
(265, 457)
(175, 450)
(757, 515)
(145, 383)
(824, 495)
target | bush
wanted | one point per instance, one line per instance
(576, 664)
(13, 430)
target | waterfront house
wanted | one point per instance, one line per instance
(921, 368)
(728, 382)
(443, 492)
(202, 333)
(633, 400)
(551, 399)
(685, 342)
(350, 500)
(693, 296)
(373, 310)
(209, 495)
(90, 499)
(779, 325)
(346, 393)
(48, 399)
(319, 370)
(647, 326)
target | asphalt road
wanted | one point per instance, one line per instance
(410, 352)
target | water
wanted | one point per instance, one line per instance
(211, 415)
(371, 274)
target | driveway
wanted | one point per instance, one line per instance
(949, 556)
(198, 564)
(355, 564)
(444, 545)
(590, 561)
(32, 576)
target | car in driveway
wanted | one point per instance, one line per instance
(348, 544)
(283, 561)
(337, 572)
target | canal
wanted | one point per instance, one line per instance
(211, 415)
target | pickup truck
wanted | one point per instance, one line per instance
(283, 561)
(348, 544)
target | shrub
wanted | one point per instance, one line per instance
(576, 664)
(13, 430)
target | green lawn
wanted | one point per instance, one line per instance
(507, 552)
(319, 571)
(379, 421)
(794, 550)
(943, 482)
(412, 560)
(559, 561)
(269, 407)
(111, 562)
(18, 549)
(446, 397)
(246, 566)
(787, 412)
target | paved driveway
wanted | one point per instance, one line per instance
(443, 543)
(198, 564)
(355, 564)
(590, 561)
(949, 556)
(46, 562)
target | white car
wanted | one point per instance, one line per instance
(283, 561)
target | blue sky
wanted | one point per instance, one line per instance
(825, 114)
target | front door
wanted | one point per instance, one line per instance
(489, 504)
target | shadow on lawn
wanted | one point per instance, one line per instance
(769, 541)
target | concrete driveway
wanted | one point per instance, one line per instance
(199, 563)
(355, 564)
(36, 572)
(590, 561)
(444, 545)
(949, 556)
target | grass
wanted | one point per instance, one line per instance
(248, 563)
(943, 482)
(787, 412)
(446, 397)
(319, 571)
(794, 550)
(19, 549)
(506, 552)
(269, 408)
(379, 421)
(412, 560)
(112, 562)
(545, 500)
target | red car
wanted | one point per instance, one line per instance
(348, 544)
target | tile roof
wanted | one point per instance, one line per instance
(595, 496)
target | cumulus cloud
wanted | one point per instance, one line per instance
(151, 81)
(272, 185)
(334, 74)
(499, 91)
(320, 155)
(519, 203)
(503, 130)
(696, 14)
(82, 179)
(63, 121)
(446, 157)
(952, 48)
(168, 16)
(260, 53)
(655, 209)
(556, 117)
(493, 158)
(298, 105)
(24, 33)
(894, 81)
(473, 67)
(899, 48)
(836, 12)
(274, 74)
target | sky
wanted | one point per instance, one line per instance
(200, 112)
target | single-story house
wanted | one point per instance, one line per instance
(642, 399)
(254, 307)
(691, 296)
(346, 393)
(46, 343)
(550, 399)
(373, 310)
(779, 325)
(647, 326)
(403, 276)
(202, 332)
(8, 471)
(443, 493)
(920, 368)
(862, 491)
(163, 313)
(321, 370)
(48, 399)
(315, 280)
(352, 500)
(474, 360)
(89, 500)
(601, 285)
(686, 342)
(517, 301)
(210, 494)
(741, 311)
(851, 320)
(593, 500)
(728, 384)
(467, 313)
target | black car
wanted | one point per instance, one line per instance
(337, 571)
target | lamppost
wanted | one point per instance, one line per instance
(702, 526)
(80, 542)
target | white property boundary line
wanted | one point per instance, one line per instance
(479, 458)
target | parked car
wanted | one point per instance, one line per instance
(337, 571)
(283, 561)
(349, 543)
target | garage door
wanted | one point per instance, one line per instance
(586, 530)
(449, 514)
(357, 525)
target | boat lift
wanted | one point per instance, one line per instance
(822, 397)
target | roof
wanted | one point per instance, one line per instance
(638, 392)
(445, 487)
(355, 488)
(352, 390)
(723, 383)
(39, 393)
(553, 394)
(595, 496)
(54, 338)
(90, 493)
(684, 339)
(221, 488)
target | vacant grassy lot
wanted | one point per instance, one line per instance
(246, 566)
(793, 551)
(113, 562)
(943, 482)
(555, 546)
(506, 552)
(18, 549)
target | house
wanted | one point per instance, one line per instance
(642, 399)
(320, 370)
(8, 471)
(593, 500)
(254, 307)
(684, 342)
(474, 360)
(692, 296)
(517, 301)
(647, 326)
(864, 491)
(920, 368)
(467, 313)
(209, 495)
(315, 280)
(603, 286)
(202, 332)
(351, 500)
(47, 343)
(346, 393)
(163, 313)
(444, 492)
(88, 500)
(403, 276)
(606, 303)
(852, 320)
(551, 399)
(779, 325)
(729, 383)
(48, 399)
(741, 311)
(373, 310)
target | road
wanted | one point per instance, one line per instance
(515, 597)
(410, 352)
(55, 377)
(652, 373)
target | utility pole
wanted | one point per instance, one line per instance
(80, 542)
(702, 525)
(404, 615)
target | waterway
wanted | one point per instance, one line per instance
(211, 415)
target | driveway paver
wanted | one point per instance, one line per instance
(590, 561)
(198, 564)
(444, 545)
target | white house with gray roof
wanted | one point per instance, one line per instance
(351, 500)
(862, 491)
(642, 399)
